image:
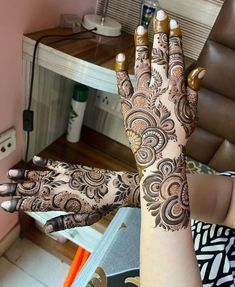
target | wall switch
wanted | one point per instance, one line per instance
(7, 142)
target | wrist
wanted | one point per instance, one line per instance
(133, 198)
(164, 193)
(126, 189)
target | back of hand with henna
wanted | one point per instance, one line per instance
(86, 193)
(159, 116)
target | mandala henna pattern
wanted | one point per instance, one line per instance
(166, 194)
(148, 129)
(159, 116)
(86, 193)
(93, 184)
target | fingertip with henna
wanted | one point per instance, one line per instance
(7, 189)
(6, 205)
(10, 205)
(121, 63)
(195, 77)
(48, 228)
(141, 36)
(54, 224)
(161, 22)
(37, 160)
(16, 174)
(175, 30)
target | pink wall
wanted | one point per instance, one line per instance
(18, 17)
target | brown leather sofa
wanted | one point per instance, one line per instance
(213, 141)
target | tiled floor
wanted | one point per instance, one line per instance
(27, 265)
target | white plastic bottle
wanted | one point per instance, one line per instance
(148, 10)
(78, 107)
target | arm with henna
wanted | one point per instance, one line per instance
(159, 116)
(210, 195)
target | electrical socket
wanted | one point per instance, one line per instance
(7, 142)
(109, 103)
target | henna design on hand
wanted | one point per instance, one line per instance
(87, 193)
(159, 116)
(166, 194)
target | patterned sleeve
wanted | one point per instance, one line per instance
(228, 173)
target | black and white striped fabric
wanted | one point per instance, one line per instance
(215, 250)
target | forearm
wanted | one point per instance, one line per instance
(166, 238)
(210, 196)
(229, 219)
(161, 253)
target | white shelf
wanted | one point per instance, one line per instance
(87, 237)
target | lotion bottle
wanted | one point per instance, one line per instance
(78, 106)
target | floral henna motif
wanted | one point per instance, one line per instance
(28, 188)
(127, 89)
(128, 189)
(87, 193)
(158, 81)
(148, 129)
(166, 194)
(186, 115)
(160, 53)
(159, 116)
(185, 112)
(93, 183)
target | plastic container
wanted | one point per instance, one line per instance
(78, 106)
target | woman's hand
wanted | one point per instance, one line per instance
(161, 112)
(86, 193)
(159, 116)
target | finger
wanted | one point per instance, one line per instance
(25, 189)
(68, 221)
(176, 58)
(55, 165)
(159, 61)
(195, 78)
(23, 175)
(61, 201)
(142, 63)
(35, 203)
(194, 84)
(125, 88)
(8, 189)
